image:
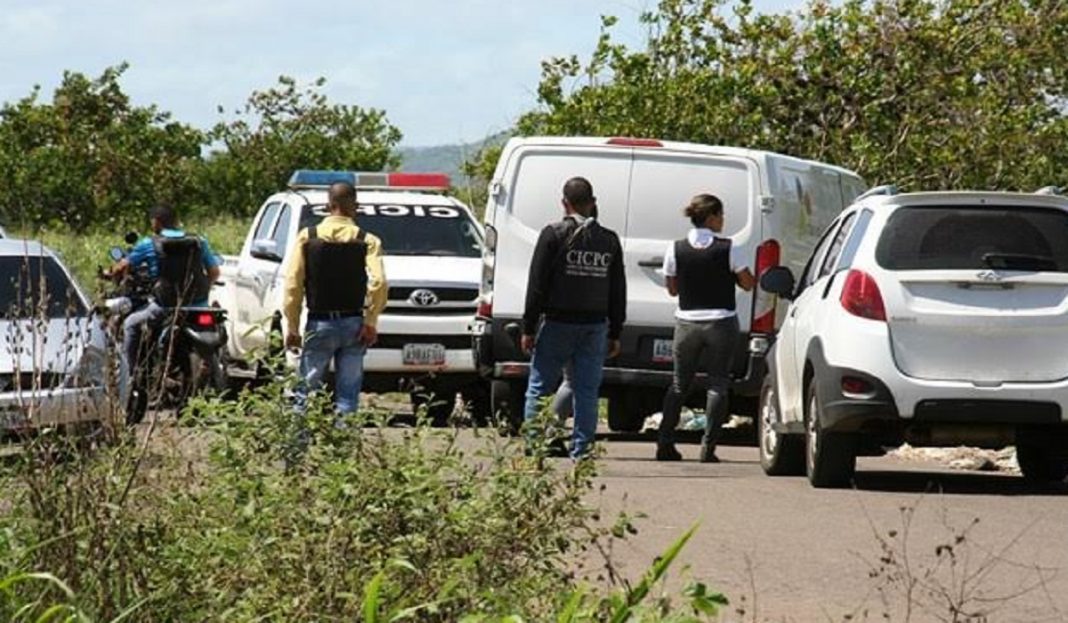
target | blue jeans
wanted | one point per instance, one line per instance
(132, 327)
(337, 341)
(584, 346)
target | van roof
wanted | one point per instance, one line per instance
(603, 141)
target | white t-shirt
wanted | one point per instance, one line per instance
(702, 238)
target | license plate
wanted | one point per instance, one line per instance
(424, 354)
(662, 351)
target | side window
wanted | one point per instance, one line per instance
(263, 228)
(809, 275)
(281, 230)
(849, 253)
(835, 249)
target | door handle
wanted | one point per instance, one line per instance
(653, 262)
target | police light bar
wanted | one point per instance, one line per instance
(307, 178)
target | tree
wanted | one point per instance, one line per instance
(90, 156)
(286, 128)
(928, 94)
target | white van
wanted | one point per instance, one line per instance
(776, 208)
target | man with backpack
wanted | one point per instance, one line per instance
(576, 304)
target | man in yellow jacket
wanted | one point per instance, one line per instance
(338, 267)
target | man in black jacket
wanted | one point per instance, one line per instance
(575, 307)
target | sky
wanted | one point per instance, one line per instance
(445, 71)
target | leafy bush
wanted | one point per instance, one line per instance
(230, 517)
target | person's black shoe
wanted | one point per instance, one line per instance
(708, 454)
(558, 449)
(667, 453)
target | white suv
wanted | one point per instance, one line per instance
(931, 318)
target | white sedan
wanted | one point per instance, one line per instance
(54, 352)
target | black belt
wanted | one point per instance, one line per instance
(334, 315)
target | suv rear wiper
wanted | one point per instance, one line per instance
(1019, 261)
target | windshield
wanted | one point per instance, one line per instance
(967, 238)
(441, 231)
(22, 279)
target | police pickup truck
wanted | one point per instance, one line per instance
(432, 247)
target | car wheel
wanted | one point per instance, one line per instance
(830, 458)
(781, 454)
(1039, 464)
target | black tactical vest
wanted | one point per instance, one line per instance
(580, 282)
(705, 279)
(182, 279)
(335, 274)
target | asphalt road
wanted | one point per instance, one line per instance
(783, 551)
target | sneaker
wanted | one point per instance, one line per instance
(667, 453)
(708, 454)
(557, 449)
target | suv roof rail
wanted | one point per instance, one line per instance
(1050, 190)
(885, 189)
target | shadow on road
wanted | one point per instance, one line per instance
(952, 483)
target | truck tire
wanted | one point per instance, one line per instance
(626, 410)
(781, 454)
(476, 397)
(439, 404)
(507, 399)
(830, 458)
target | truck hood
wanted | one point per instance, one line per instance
(406, 270)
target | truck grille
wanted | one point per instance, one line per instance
(465, 295)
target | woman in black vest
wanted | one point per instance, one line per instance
(702, 269)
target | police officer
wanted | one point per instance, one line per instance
(338, 266)
(575, 307)
(182, 268)
(702, 269)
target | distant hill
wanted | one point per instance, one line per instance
(444, 158)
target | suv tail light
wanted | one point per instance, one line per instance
(767, 256)
(861, 296)
(485, 307)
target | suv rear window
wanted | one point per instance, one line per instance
(967, 238)
(21, 281)
(440, 231)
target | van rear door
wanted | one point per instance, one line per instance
(661, 186)
(530, 200)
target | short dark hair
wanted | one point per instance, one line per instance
(166, 216)
(579, 192)
(701, 207)
(341, 191)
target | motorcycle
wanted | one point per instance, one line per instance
(178, 356)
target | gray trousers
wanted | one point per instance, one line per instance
(708, 345)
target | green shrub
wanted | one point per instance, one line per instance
(227, 517)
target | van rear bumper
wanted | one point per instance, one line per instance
(498, 356)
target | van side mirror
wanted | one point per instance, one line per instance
(779, 280)
(265, 249)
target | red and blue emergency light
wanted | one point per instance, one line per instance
(309, 178)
